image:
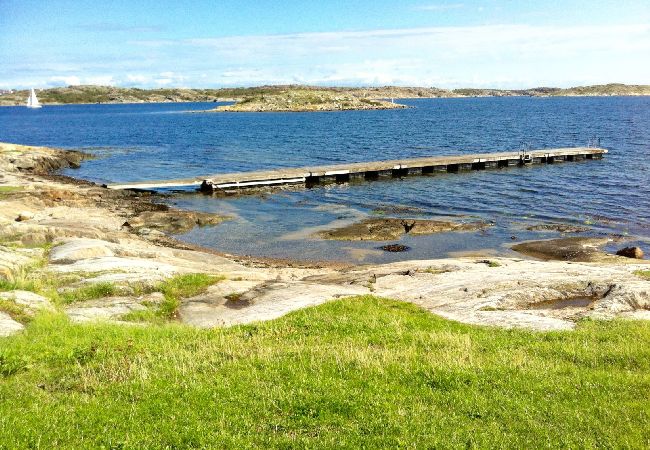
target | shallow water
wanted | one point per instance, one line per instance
(156, 141)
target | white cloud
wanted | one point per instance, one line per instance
(503, 55)
(71, 80)
(137, 78)
(74, 80)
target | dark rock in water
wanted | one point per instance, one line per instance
(388, 228)
(582, 249)
(173, 221)
(394, 248)
(631, 252)
(559, 227)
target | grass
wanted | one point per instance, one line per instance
(15, 311)
(89, 292)
(358, 372)
(643, 274)
(6, 190)
(173, 290)
(436, 270)
(55, 286)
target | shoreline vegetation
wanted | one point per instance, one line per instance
(90, 94)
(114, 334)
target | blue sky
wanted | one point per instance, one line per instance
(468, 43)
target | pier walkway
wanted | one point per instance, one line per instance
(370, 170)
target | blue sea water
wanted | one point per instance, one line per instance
(158, 141)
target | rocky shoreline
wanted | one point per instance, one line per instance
(60, 237)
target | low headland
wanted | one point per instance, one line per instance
(111, 94)
(118, 335)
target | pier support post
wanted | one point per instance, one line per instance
(312, 181)
(399, 173)
(207, 187)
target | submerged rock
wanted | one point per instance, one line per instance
(173, 221)
(387, 229)
(559, 227)
(583, 249)
(631, 252)
(395, 248)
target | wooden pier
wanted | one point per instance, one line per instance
(370, 170)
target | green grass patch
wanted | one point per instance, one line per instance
(645, 274)
(352, 373)
(188, 285)
(436, 270)
(6, 190)
(173, 290)
(183, 286)
(15, 311)
(89, 292)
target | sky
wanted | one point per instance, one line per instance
(201, 44)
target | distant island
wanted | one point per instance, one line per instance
(297, 100)
(306, 98)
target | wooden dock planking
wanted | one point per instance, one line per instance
(370, 170)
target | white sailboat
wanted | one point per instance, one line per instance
(32, 101)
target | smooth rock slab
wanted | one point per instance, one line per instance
(109, 308)
(28, 299)
(9, 326)
(267, 301)
(79, 249)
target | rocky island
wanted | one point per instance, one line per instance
(305, 100)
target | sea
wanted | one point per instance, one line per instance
(609, 197)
